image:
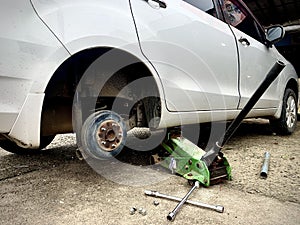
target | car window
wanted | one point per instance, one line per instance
(205, 5)
(236, 15)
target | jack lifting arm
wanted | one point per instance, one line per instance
(209, 157)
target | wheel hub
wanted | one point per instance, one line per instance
(291, 113)
(109, 135)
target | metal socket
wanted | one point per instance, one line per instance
(265, 166)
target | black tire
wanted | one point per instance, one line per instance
(298, 114)
(106, 143)
(12, 147)
(287, 122)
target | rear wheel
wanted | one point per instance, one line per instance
(12, 147)
(287, 122)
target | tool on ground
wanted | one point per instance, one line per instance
(132, 210)
(217, 208)
(173, 214)
(156, 203)
(199, 166)
(265, 166)
(143, 211)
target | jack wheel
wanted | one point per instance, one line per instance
(103, 135)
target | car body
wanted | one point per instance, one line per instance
(203, 66)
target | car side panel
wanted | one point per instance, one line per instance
(194, 53)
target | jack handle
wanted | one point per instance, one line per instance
(210, 155)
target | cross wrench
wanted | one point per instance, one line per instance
(217, 208)
(171, 216)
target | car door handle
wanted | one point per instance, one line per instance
(244, 41)
(156, 4)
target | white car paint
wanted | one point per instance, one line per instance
(256, 59)
(34, 45)
(180, 32)
(29, 51)
(178, 45)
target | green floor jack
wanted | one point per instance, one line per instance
(201, 167)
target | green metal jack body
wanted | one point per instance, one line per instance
(185, 160)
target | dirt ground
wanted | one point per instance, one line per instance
(57, 188)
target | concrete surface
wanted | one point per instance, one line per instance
(57, 188)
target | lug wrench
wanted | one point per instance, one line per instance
(217, 208)
(171, 216)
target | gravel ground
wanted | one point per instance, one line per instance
(57, 188)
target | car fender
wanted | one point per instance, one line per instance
(81, 25)
(287, 75)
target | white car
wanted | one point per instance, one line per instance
(144, 63)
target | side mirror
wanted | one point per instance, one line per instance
(274, 34)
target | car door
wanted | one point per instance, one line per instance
(192, 50)
(255, 57)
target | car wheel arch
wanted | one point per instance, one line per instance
(63, 85)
